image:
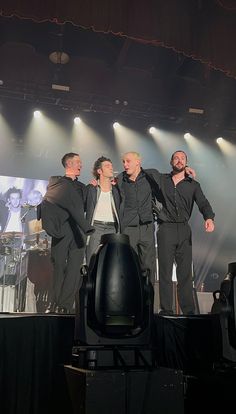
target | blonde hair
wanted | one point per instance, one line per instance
(136, 154)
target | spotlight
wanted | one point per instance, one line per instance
(187, 135)
(219, 140)
(116, 125)
(77, 120)
(37, 114)
(152, 130)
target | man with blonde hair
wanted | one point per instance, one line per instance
(139, 188)
(137, 217)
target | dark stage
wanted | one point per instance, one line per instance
(36, 348)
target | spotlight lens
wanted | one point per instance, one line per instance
(37, 114)
(77, 120)
(152, 130)
(116, 125)
(219, 140)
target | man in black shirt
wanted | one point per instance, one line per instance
(178, 193)
(138, 187)
(62, 213)
(136, 206)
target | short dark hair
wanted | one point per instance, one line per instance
(172, 156)
(67, 156)
(98, 164)
(13, 190)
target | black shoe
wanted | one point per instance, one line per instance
(51, 308)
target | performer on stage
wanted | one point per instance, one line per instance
(62, 213)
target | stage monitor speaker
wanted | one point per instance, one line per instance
(159, 391)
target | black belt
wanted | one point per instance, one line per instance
(105, 223)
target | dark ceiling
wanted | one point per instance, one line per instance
(112, 74)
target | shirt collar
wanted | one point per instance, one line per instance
(70, 179)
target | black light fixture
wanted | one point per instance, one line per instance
(115, 301)
(59, 58)
(59, 79)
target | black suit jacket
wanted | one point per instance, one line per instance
(64, 201)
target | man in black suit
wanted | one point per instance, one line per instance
(62, 213)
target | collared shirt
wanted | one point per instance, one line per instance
(137, 200)
(79, 186)
(179, 200)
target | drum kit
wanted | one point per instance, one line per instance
(14, 248)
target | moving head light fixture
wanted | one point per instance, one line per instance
(115, 303)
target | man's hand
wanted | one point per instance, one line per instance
(209, 225)
(114, 181)
(190, 171)
(93, 182)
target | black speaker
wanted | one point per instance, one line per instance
(160, 391)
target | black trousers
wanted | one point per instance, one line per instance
(174, 242)
(143, 242)
(67, 255)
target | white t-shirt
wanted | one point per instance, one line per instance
(14, 222)
(103, 208)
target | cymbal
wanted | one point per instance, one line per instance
(11, 234)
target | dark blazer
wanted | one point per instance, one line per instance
(62, 202)
(91, 201)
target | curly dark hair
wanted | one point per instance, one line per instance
(98, 164)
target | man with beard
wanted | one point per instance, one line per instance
(178, 192)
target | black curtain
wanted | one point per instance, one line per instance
(203, 30)
(33, 351)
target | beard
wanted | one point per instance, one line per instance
(177, 169)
